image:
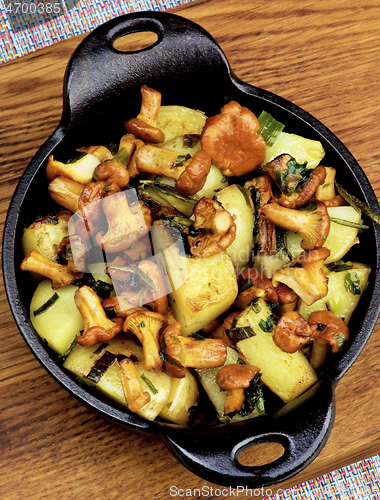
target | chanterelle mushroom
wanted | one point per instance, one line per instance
(138, 285)
(292, 332)
(80, 170)
(297, 183)
(326, 191)
(215, 226)
(190, 173)
(144, 126)
(127, 222)
(146, 325)
(66, 192)
(309, 281)
(97, 326)
(287, 298)
(313, 223)
(190, 352)
(328, 330)
(260, 190)
(112, 174)
(257, 285)
(59, 274)
(232, 141)
(194, 177)
(234, 378)
(134, 395)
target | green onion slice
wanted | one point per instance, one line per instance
(255, 306)
(121, 156)
(102, 364)
(47, 304)
(269, 129)
(245, 193)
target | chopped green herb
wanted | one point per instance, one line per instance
(352, 283)
(182, 221)
(190, 140)
(254, 399)
(309, 208)
(198, 335)
(294, 178)
(340, 339)
(133, 268)
(255, 197)
(267, 326)
(245, 286)
(165, 189)
(338, 266)
(149, 384)
(348, 223)
(180, 160)
(142, 324)
(169, 359)
(240, 333)
(357, 204)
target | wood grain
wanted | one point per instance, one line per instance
(323, 56)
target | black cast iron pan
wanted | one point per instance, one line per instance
(101, 90)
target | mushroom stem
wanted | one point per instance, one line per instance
(218, 225)
(97, 326)
(234, 378)
(318, 354)
(192, 353)
(66, 192)
(135, 396)
(146, 325)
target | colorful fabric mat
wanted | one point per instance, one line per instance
(360, 481)
(30, 25)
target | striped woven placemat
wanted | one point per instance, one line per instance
(360, 481)
(30, 25)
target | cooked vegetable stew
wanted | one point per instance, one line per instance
(197, 256)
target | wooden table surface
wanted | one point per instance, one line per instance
(323, 56)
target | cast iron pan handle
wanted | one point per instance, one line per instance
(97, 69)
(302, 428)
